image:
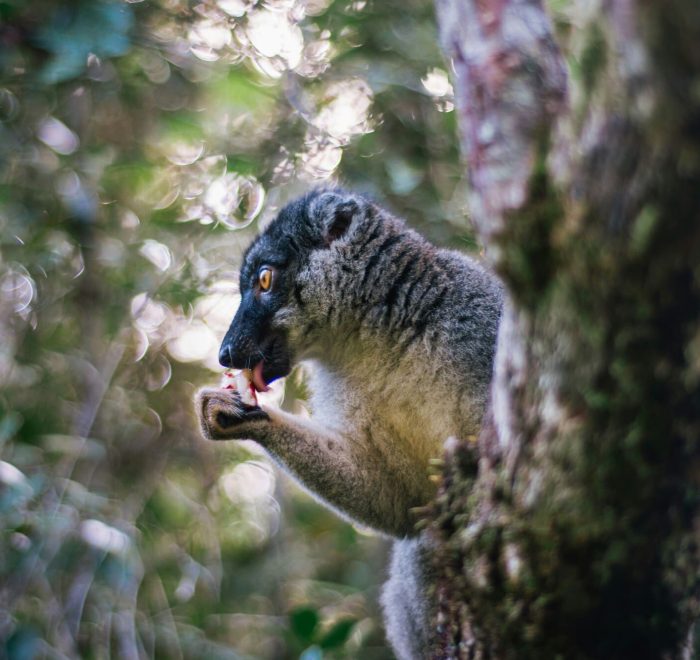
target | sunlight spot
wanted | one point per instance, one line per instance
(317, 55)
(217, 310)
(161, 191)
(103, 537)
(192, 341)
(233, 200)
(155, 67)
(250, 482)
(129, 220)
(320, 161)
(272, 34)
(157, 253)
(148, 315)
(345, 109)
(184, 153)
(160, 371)
(315, 7)
(56, 135)
(18, 289)
(12, 476)
(141, 343)
(207, 38)
(236, 8)
(437, 83)
(198, 175)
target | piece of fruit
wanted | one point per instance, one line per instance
(242, 382)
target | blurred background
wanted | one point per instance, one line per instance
(142, 145)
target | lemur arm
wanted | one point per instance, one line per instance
(331, 466)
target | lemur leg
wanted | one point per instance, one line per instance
(343, 469)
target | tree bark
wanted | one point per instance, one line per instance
(576, 534)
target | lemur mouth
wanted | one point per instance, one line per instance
(277, 362)
(258, 379)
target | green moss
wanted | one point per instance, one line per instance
(530, 259)
(643, 230)
(593, 58)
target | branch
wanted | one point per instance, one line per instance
(511, 86)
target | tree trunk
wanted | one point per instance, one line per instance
(575, 533)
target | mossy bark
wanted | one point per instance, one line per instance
(576, 535)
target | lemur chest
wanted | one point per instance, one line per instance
(398, 414)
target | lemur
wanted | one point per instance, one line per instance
(399, 339)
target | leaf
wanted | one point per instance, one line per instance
(238, 92)
(338, 634)
(304, 621)
(24, 643)
(73, 33)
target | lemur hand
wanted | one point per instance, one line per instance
(223, 416)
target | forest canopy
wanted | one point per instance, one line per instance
(142, 144)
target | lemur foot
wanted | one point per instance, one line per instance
(223, 416)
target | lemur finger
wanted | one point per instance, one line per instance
(222, 415)
(212, 409)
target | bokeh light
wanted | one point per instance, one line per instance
(142, 145)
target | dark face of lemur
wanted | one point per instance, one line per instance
(274, 323)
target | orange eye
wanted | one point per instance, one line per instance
(265, 279)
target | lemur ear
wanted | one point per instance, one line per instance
(339, 220)
(332, 212)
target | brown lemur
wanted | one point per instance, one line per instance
(399, 338)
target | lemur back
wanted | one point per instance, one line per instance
(398, 337)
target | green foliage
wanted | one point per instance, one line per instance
(338, 634)
(304, 622)
(141, 146)
(76, 31)
(593, 57)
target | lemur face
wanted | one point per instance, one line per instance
(269, 328)
(255, 340)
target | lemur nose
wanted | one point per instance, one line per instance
(225, 357)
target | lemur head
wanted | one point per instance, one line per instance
(288, 282)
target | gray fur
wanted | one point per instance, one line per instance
(406, 598)
(399, 339)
